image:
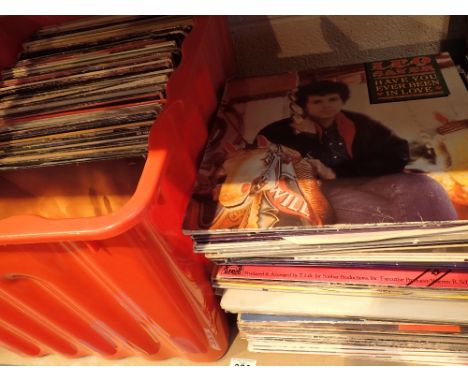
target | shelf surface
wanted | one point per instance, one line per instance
(238, 349)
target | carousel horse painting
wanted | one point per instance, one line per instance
(268, 184)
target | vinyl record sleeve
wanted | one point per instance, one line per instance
(335, 305)
(307, 151)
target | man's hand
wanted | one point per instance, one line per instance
(303, 125)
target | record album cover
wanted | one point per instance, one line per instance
(336, 147)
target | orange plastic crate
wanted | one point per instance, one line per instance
(125, 283)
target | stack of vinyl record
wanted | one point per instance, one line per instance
(87, 89)
(335, 205)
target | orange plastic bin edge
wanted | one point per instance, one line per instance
(35, 229)
(164, 274)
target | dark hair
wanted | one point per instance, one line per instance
(321, 88)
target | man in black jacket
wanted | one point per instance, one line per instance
(366, 157)
(351, 144)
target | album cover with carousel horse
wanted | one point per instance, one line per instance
(377, 144)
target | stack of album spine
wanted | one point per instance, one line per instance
(334, 205)
(87, 89)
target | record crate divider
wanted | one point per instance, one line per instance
(127, 283)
